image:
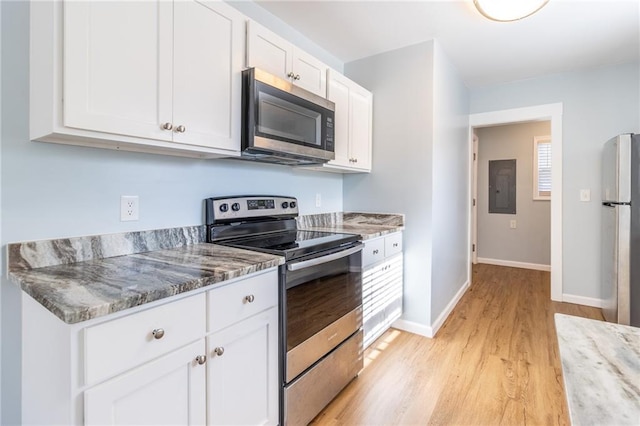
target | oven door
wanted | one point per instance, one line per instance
(322, 306)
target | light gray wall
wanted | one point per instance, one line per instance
(530, 242)
(51, 190)
(597, 105)
(420, 168)
(450, 184)
(401, 181)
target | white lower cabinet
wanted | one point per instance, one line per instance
(167, 391)
(207, 358)
(382, 283)
(243, 371)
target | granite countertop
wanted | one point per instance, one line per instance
(81, 278)
(368, 225)
(75, 280)
(601, 369)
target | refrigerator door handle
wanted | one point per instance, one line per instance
(615, 203)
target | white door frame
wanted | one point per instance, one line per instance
(474, 199)
(553, 113)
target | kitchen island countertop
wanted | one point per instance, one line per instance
(601, 369)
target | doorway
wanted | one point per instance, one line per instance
(512, 214)
(553, 113)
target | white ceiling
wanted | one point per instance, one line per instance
(565, 35)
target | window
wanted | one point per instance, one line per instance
(542, 168)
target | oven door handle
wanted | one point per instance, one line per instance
(324, 259)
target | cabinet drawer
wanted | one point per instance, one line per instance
(121, 344)
(242, 299)
(393, 244)
(373, 251)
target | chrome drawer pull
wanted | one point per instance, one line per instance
(395, 244)
(158, 333)
(375, 251)
(201, 359)
(219, 351)
(249, 299)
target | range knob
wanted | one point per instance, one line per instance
(235, 207)
(285, 205)
(292, 204)
(224, 207)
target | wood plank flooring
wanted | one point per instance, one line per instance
(494, 362)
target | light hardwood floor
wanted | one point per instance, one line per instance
(494, 361)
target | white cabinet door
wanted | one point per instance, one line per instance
(338, 93)
(353, 128)
(242, 381)
(168, 391)
(360, 121)
(208, 55)
(267, 51)
(311, 74)
(117, 67)
(277, 56)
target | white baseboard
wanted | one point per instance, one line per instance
(447, 311)
(581, 300)
(413, 327)
(424, 330)
(514, 264)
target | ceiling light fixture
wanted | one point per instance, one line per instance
(508, 10)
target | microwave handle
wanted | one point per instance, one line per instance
(324, 259)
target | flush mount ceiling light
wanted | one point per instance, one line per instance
(508, 10)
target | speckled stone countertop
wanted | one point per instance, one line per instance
(87, 277)
(368, 225)
(601, 369)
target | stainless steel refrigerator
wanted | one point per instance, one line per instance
(621, 230)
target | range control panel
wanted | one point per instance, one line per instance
(240, 208)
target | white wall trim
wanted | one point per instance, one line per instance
(552, 112)
(447, 311)
(413, 327)
(514, 264)
(423, 330)
(581, 300)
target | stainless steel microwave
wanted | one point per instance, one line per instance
(283, 123)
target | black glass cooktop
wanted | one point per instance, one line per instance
(294, 244)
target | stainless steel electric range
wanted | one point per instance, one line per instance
(320, 296)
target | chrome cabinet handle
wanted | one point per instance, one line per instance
(291, 75)
(297, 77)
(158, 333)
(167, 126)
(219, 351)
(201, 359)
(395, 244)
(249, 299)
(376, 251)
(181, 129)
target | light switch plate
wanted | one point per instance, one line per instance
(585, 195)
(512, 224)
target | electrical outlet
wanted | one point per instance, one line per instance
(318, 200)
(512, 224)
(129, 208)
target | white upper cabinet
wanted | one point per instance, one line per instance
(114, 81)
(277, 56)
(155, 76)
(353, 128)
